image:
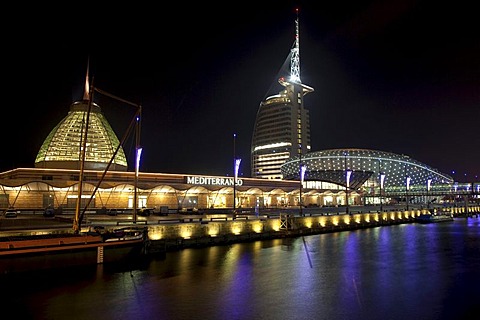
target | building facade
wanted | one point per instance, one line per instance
(36, 189)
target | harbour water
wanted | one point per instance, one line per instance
(408, 271)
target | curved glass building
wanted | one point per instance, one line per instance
(366, 168)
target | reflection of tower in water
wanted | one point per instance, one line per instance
(282, 125)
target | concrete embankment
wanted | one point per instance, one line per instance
(207, 232)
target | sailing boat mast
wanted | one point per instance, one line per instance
(86, 96)
(138, 153)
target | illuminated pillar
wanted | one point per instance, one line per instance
(382, 181)
(303, 168)
(135, 197)
(348, 175)
(407, 188)
(237, 166)
(429, 185)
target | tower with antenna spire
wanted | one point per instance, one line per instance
(282, 125)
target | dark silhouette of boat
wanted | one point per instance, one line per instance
(434, 216)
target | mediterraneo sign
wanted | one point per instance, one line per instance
(212, 181)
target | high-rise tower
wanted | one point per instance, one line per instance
(282, 126)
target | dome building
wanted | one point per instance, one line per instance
(62, 147)
(368, 169)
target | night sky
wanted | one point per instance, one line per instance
(396, 76)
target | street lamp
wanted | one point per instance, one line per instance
(347, 186)
(236, 166)
(407, 188)
(135, 192)
(382, 181)
(303, 168)
(348, 173)
(429, 185)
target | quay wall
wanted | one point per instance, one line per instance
(208, 231)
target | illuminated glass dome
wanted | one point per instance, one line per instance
(331, 165)
(62, 147)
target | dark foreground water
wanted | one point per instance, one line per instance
(404, 272)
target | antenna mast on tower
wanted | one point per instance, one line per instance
(86, 92)
(295, 57)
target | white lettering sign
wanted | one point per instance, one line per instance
(213, 181)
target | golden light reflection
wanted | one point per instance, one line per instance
(346, 220)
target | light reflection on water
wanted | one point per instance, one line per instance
(402, 272)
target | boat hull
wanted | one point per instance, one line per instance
(65, 252)
(428, 218)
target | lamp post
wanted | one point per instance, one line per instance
(407, 188)
(135, 192)
(429, 185)
(348, 174)
(454, 190)
(236, 166)
(382, 181)
(303, 168)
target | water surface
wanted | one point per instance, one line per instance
(405, 272)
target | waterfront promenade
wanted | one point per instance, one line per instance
(176, 231)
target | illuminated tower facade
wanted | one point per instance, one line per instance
(62, 149)
(282, 125)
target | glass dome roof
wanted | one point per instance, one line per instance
(62, 147)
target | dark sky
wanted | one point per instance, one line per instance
(397, 76)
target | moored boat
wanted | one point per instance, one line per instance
(27, 253)
(434, 216)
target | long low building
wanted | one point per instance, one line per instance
(36, 188)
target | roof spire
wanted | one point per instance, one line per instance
(86, 92)
(295, 57)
